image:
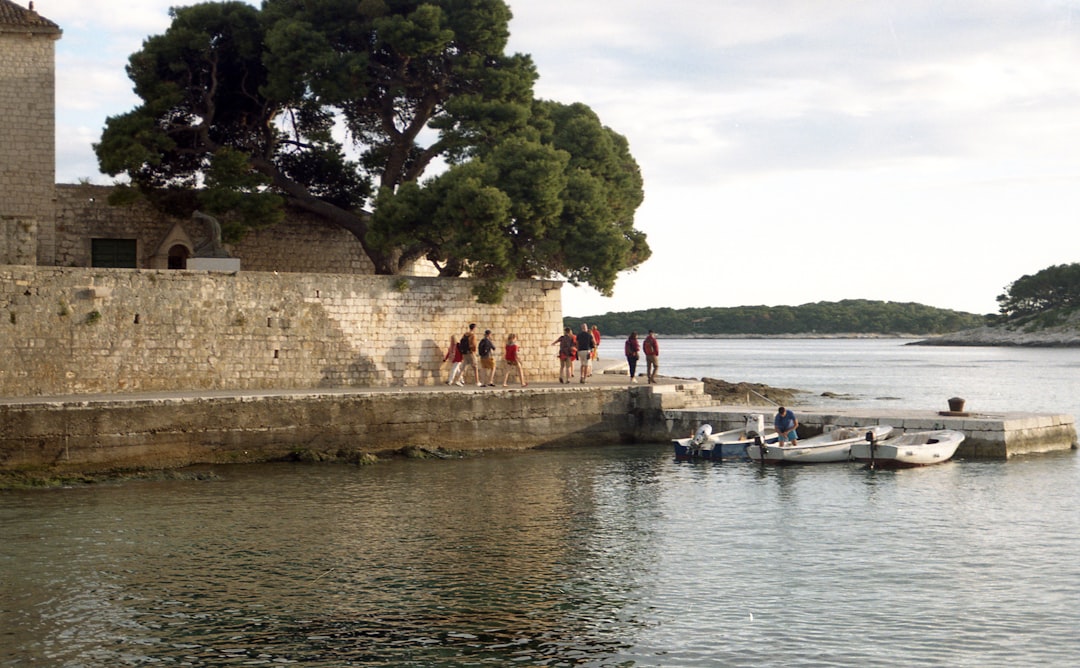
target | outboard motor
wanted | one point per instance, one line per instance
(702, 434)
(755, 425)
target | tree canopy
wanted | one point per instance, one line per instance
(849, 316)
(401, 121)
(1055, 287)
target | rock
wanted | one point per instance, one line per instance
(1048, 330)
(736, 393)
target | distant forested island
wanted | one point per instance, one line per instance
(1040, 309)
(850, 317)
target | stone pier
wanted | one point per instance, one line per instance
(987, 436)
(93, 433)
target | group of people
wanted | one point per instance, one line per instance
(474, 358)
(651, 347)
(581, 348)
(585, 346)
(470, 353)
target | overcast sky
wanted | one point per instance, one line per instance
(793, 151)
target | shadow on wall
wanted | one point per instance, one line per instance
(432, 372)
(396, 361)
(361, 373)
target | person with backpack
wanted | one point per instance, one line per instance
(651, 348)
(567, 352)
(469, 356)
(631, 348)
(486, 349)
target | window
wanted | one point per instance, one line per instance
(113, 253)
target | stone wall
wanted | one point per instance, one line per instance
(301, 243)
(106, 434)
(27, 133)
(77, 330)
(18, 240)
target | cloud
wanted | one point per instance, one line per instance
(940, 134)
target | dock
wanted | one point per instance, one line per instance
(987, 435)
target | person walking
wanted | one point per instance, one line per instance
(584, 351)
(454, 356)
(486, 350)
(632, 348)
(471, 357)
(651, 348)
(595, 331)
(514, 360)
(566, 355)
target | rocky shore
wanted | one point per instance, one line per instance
(725, 393)
(1065, 334)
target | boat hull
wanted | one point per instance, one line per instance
(910, 450)
(725, 445)
(828, 448)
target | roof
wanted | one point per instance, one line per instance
(16, 18)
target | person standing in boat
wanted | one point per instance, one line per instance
(632, 349)
(786, 423)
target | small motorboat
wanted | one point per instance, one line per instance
(910, 449)
(730, 444)
(833, 445)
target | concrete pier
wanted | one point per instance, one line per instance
(987, 436)
(91, 433)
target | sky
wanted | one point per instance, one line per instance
(793, 151)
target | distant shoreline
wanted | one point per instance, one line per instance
(783, 336)
(983, 336)
(991, 337)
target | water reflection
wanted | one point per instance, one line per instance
(602, 557)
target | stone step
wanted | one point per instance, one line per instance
(681, 395)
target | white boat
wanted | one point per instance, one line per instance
(833, 445)
(913, 448)
(730, 444)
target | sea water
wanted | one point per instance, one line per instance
(889, 373)
(603, 556)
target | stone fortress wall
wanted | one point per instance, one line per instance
(27, 136)
(304, 311)
(87, 330)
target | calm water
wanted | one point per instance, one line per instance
(615, 556)
(890, 373)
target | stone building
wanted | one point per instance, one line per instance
(27, 134)
(45, 224)
(88, 303)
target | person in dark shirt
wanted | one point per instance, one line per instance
(585, 345)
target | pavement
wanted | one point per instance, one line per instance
(606, 373)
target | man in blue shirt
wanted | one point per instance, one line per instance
(786, 423)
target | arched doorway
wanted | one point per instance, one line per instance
(178, 256)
